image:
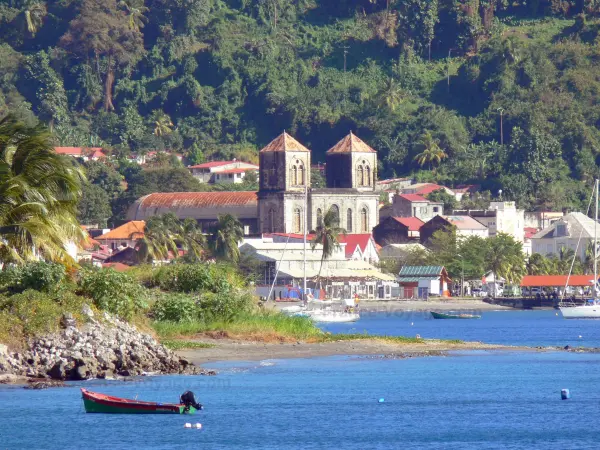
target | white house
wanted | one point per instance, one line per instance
(222, 171)
(500, 217)
(565, 233)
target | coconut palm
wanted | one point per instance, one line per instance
(432, 153)
(193, 240)
(228, 234)
(392, 94)
(161, 234)
(135, 10)
(34, 16)
(39, 192)
(327, 234)
(162, 124)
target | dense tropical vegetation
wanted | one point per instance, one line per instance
(499, 93)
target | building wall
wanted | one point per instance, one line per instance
(389, 231)
(423, 210)
(345, 201)
(541, 219)
(552, 246)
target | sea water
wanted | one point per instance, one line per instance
(473, 400)
(507, 327)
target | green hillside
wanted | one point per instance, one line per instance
(220, 78)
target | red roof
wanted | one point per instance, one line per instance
(556, 280)
(93, 152)
(211, 164)
(530, 231)
(414, 198)
(429, 188)
(354, 240)
(413, 223)
(295, 235)
(198, 199)
(128, 231)
(119, 267)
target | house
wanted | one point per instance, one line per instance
(500, 217)
(284, 271)
(464, 225)
(566, 232)
(528, 233)
(465, 190)
(423, 281)
(400, 251)
(85, 153)
(541, 219)
(360, 247)
(124, 236)
(222, 171)
(396, 230)
(425, 189)
(415, 205)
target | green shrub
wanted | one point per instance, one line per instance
(37, 312)
(196, 278)
(224, 306)
(175, 308)
(113, 291)
(39, 276)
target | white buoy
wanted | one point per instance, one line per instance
(198, 425)
(381, 400)
(580, 336)
(187, 425)
(412, 323)
(565, 394)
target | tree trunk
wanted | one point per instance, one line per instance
(108, 86)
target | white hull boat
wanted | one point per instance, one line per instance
(333, 316)
(591, 311)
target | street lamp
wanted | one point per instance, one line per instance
(501, 111)
(500, 194)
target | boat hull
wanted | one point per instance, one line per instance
(335, 318)
(437, 315)
(580, 312)
(104, 404)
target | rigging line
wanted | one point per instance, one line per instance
(278, 267)
(577, 246)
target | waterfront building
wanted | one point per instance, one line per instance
(464, 226)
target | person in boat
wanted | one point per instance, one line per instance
(189, 400)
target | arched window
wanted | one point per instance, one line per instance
(349, 221)
(359, 175)
(364, 220)
(319, 217)
(297, 225)
(367, 176)
(273, 175)
(301, 175)
(335, 211)
(271, 221)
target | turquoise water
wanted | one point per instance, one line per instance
(510, 327)
(468, 401)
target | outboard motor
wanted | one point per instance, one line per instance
(188, 399)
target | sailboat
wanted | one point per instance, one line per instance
(591, 309)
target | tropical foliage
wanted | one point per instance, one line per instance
(228, 234)
(327, 235)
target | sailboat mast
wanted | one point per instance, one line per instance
(595, 242)
(304, 227)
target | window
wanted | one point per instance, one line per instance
(360, 175)
(367, 181)
(301, 175)
(435, 209)
(271, 221)
(230, 175)
(336, 215)
(349, 221)
(364, 220)
(319, 217)
(561, 230)
(297, 225)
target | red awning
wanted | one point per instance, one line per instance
(556, 280)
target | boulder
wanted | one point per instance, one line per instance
(68, 321)
(80, 373)
(58, 371)
(86, 310)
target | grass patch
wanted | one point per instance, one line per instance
(185, 345)
(267, 326)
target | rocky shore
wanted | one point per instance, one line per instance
(104, 347)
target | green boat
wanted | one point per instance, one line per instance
(95, 402)
(437, 315)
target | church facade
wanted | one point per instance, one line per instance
(288, 204)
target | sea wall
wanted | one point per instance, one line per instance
(103, 347)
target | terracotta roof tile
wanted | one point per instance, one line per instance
(95, 152)
(351, 143)
(198, 199)
(284, 143)
(413, 198)
(119, 267)
(413, 223)
(465, 222)
(129, 230)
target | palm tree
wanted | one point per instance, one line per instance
(392, 94)
(161, 234)
(193, 240)
(228, 234)
(135, 10)
(162, 124)
(432, 153)
(34, 16)
(327, 235)
(39, 192)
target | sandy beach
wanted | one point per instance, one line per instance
(227, 349)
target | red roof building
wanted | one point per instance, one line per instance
(360, 246)
(86, 153)
(412, 223)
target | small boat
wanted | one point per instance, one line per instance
(95, 402)
(437, 315)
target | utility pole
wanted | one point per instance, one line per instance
(345, 78)
(501, 126)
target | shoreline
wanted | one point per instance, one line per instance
(237, 350)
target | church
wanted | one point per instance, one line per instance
(285, 194)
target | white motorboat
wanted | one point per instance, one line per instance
(334, 316)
